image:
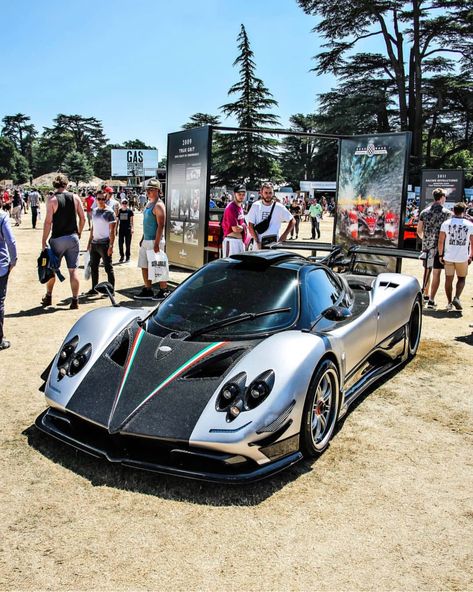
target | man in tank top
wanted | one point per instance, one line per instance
(154, 222)
(62, 210)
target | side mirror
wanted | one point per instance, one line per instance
(107, 289)
(336, 313)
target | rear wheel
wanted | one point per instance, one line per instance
(414, 329)
(320, 409)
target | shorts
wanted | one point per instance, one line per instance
(232, 246)
(436, 265)
(461, 268)
(148, 245)
(68, 247)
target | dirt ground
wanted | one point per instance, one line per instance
(387, 507)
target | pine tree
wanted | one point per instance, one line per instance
(19, 129)
(77, 167)
(247, 157)
(200, 119)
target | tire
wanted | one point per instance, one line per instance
(320, 409)
(414, 328)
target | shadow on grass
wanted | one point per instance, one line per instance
(468, 339)
(101, 473)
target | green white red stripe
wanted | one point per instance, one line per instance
(191, 362)
(134, 348)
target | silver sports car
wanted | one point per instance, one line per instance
(243, 370)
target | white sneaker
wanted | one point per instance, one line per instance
(449, 307)
(457, 304)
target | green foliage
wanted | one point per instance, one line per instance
(416, 40)
(77, 167)
(200, 119)
(71, 133)
(22, 133)
(246, 157)
(138, 144)
(13, 165)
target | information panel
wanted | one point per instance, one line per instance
(371, 189)
(134, 162)
(450, 181)
(187, 190)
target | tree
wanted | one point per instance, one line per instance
(13, 165)
(77, 167)
(247, 157)
(22, 133)
(419, 37)
(298, 153)
(201, 119)
(72, 133)
(139, 144)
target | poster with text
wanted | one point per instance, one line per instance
(450, 181)
(187, 196)
(371, 185)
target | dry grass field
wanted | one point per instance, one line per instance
(387, 507)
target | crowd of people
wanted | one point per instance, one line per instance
(447, 238)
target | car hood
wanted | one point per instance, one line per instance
(158, 388)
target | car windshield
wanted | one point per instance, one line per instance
(226, 289)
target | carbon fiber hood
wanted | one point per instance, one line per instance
(161, 387)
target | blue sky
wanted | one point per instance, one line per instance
(143, 67)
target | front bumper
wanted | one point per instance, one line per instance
(169, 458)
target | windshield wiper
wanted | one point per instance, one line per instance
(244, 316)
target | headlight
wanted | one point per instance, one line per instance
(71, 362)
(235, 397)
(259, 389)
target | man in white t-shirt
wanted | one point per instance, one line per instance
(264, 209)
(101, 239)
(455, 249)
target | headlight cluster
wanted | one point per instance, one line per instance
(70, 361)
(235, 397)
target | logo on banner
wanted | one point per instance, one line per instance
(371, 150)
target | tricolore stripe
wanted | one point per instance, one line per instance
(134, 348)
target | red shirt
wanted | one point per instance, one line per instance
(233, 216)
(89, 201)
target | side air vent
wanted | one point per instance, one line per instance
(391, 285)
(277, 423)
(215, 366)
(120, 349)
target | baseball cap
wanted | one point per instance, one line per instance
(153, 184)
(107, 189)
(239, 188)
(124, 200)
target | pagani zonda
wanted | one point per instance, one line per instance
(242, 370)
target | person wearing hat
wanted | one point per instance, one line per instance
(154, 222)
(111, 202)
(233, 224)
(125, 229)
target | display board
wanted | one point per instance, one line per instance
(450, 181)
(371, 189)
(134, 162)
(187, 196)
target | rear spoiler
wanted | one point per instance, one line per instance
(336, 257)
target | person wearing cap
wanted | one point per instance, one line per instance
(428, 229)
(101, 239)
(154, 222)
(233, 224)
(125, 229)
(111, 202)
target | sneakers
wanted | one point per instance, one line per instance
(145, 294)
(449, 307)
(431, 304)
(425, 298)
(121, 260)
(457, 304)
(74, 304)
(4, 344)
(161, 294)
(47, 300)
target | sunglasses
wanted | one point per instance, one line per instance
(101, 198)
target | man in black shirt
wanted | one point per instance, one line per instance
(62, 211)
(125, 229)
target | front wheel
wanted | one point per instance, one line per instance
(320, 409)
(414, 328)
